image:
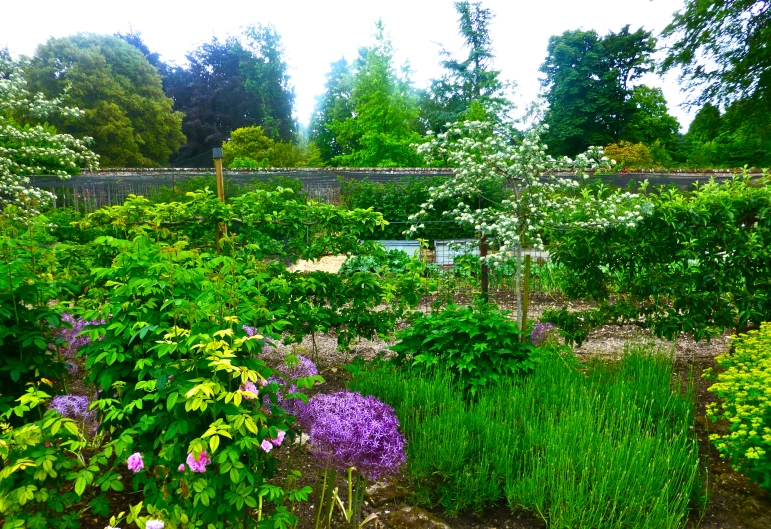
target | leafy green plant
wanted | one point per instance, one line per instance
(378, 262)
(745, 402)
(478, 342)
(697, 263)
(603, 446)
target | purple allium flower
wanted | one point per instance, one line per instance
(304, 367)
(135, 463)
(181, 467)
(354, 431)
(266, 445)
(541, 333)
(154, 524)
(69, 336)
(72, 367)
(76, 407)
(279, 439)
(199, 464)
(250, 331)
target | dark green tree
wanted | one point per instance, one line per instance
(587, 82)
(127, 114)
(471, 79)
(723, 48)
(226, 85)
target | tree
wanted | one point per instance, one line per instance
(465, 81)
(587, 86)
(722, 47)
(650, 120)
(226, 85)
(334, 105)
(487, 157)
(28, 147)
(126, 112)
(135, 39)
(382, 127)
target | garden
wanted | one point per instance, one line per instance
(165, 364)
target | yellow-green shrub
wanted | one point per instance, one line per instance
(744, 389)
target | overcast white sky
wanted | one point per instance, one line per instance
(318, 32)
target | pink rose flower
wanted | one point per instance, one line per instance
(198, 465)
(181, 468)
(265, 445)
(280, 439)
(135, 463)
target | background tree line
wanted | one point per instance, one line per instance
(141, 111)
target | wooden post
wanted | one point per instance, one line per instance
(485, 273)
(525, 296)
(220, 229)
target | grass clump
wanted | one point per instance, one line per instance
(608, 446)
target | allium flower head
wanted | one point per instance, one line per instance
(198, 464)
(135, 463)
(154, 524)
(354, 431)
(304, 367)
(541, 333)
(69, 336)
(76, 407)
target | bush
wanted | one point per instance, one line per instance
(744, 389)
(380, 262)
(606, 447)
(479, 343)
(630, 155)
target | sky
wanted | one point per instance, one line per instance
(316, 33)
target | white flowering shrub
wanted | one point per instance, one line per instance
(28, 146)
(488, 158)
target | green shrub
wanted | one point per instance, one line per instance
(744, 389)
(609, 446)
(379, 262)
(477, 342)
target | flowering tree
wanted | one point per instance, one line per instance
(28, 146)
(487, 158)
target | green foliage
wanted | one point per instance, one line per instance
(588, 92)
(609, 446)
(231, 84)
(249, 147)
(739, 60)
(126, 111)
(382, 125)
(397, 200)
(467, 81)
(697, 263)
(745, 402)
(379, 262)
(478, 342)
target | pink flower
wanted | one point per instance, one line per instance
(280, 439)
(250, 387)
(265, 445)
(198, 465)
(135, 463)
(181, 468)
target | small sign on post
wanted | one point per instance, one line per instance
(216, 154)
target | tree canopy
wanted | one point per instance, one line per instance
(723, 48)
(239, 82)
(377, 123)
(589, 88)
(471, 79)
(126, 112)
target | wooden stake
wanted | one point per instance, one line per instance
(525, 296)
